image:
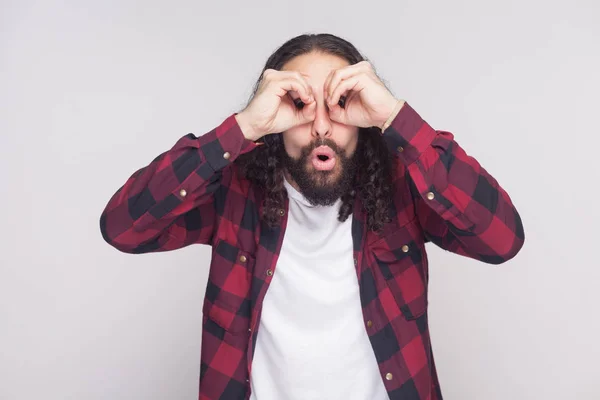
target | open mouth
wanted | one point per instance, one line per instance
(323, 158)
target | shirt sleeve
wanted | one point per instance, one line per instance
(169, 203)
(460, 206)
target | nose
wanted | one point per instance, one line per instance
(322, 124)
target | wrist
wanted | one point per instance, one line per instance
(246, 127)
(396, 107)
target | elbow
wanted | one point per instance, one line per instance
(515, 248)
(126, 241)
(513, 245)
(111, 238)
(518, 239)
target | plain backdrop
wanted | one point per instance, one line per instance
(92, 90)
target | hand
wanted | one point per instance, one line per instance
(274, 108)
(366, 102)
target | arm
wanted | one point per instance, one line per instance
(460, 206)
(169, 204)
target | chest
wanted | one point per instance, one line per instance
(390, 263)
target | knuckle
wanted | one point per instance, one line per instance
(268, 74)
(300, 79)
(366, 66)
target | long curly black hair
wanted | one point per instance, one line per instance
(264, 167)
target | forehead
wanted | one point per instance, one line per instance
(315, 66)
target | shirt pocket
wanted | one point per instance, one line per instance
(227, 299)
(401, 259)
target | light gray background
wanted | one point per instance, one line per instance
(90, 91)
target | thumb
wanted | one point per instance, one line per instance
(308, 112)
(338, 114)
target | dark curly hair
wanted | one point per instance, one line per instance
(264, 167)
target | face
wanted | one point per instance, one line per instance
(319, 156)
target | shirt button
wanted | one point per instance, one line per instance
(389, 376)
(369, 324)
(355, 262)
(182, 193)
(405, 249)
(243, 259)
(270, 272)
(400, 149)
(281, 212)
(226, 155)
(430, 195)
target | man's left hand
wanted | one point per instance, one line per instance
(366, 101)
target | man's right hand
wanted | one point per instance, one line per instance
(273, 108)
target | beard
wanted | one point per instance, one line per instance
(322, 188)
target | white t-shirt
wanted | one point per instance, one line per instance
(312, 343)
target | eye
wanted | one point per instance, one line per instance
(298, 103)
(342, 101)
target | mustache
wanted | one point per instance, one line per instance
(322, 142)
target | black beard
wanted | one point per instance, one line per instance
(317, 186)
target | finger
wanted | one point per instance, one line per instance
(306, 96)
(346, 85)
(274, 78)
(296, 76)
(338, 75)
(307, 113)
(296, 89)
(266, 73)
(326, 85)
(338, 114)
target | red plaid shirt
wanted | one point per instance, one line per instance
(193, 193)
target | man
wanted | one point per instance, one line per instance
(317, 200)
